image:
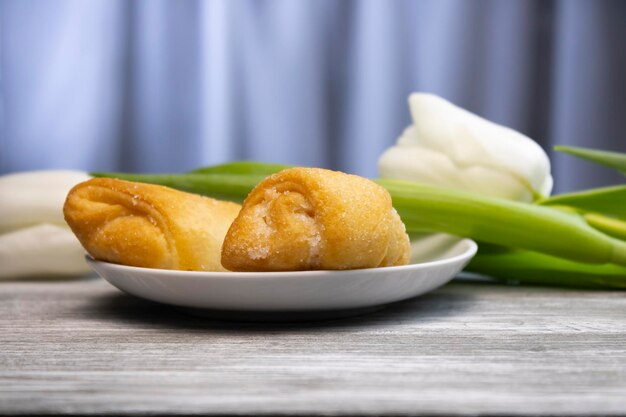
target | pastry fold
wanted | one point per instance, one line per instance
(148, 225)
(310, 218)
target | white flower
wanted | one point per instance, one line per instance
(451, 147)
(35, 241)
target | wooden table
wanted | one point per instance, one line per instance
(83, 347)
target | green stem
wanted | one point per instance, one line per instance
(242, 168)
(233, 187)
(503, 222)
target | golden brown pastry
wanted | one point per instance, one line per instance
(310, 218)
(148, 225)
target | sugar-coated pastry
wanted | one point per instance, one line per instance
(148, 225)
(311, 218)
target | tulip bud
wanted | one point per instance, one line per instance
(35, 241)
(451, 147)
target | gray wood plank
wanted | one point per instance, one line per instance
(466, 349)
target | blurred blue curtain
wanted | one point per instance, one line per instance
(172, 85)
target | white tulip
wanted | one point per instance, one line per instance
(451, 147)
(35, 241)
(44, 250)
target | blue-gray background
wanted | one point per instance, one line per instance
(172, 85)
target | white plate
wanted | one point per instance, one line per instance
(439, 258)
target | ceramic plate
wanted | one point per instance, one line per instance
(328, 293)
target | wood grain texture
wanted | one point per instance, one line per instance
(83, 347)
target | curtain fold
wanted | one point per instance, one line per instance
(169, 86)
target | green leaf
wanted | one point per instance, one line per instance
(609, 200)
(615, 160)
(525, 267)
(609, 225)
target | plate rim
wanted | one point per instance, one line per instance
(175, 273)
